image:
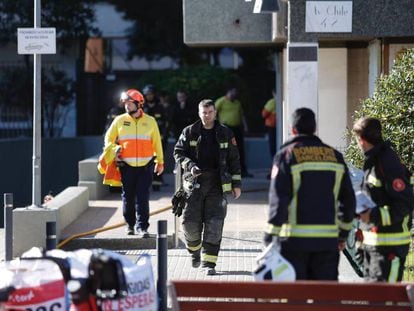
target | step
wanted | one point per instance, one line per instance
(121, 243)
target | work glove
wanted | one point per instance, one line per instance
(178, 202)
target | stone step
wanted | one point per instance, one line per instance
(121, 243)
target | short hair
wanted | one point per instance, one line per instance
(303, 120)
(369, 129)
(205, 103)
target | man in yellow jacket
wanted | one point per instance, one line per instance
(134, 140)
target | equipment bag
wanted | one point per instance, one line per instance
(108, 281)
(37, 285)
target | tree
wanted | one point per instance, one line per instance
(71, 18)
(56, 100)
(158, 32)
(393, 104)
(16, 92)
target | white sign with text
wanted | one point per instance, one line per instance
(328, 16)
(36, 40)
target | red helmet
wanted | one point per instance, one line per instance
(134, 95)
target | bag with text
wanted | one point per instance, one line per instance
(32, 285)
(141, 293)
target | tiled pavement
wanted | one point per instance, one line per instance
(243, 231)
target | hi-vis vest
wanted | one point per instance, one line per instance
(138, 139)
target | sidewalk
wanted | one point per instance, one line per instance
(242, 237)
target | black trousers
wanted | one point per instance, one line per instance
(203, 218)
(271, 131)
(136, 183)
(309, 265)
(384, 264)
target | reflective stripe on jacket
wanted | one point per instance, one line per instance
(186, 153)
(138, 139)
(387, 181)
(312, 202)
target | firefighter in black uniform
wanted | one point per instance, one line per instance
(208, 151)
(386, 227)
(155, 109)
(312, 203)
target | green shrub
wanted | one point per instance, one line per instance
(199, 82)
(204, 81)
(393, 104)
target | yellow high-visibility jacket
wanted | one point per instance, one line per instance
(136, 140)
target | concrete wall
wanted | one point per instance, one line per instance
(370, 19)
(332, 95)
(229, 22)
(29, 225)
(374, 64)
(60, 159)
(357, 80)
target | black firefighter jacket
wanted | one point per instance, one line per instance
(312, 202)
(187, 147)
(387, 182)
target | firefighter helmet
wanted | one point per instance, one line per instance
(133, 95)
(272, 266)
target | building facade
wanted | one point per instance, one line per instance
(331, 52)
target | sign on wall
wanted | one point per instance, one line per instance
(328, 16)
(36, 40)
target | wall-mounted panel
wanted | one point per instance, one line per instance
(224, 22)
(370, 19)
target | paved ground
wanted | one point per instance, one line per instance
(243, 231)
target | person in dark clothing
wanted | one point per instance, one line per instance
(169, 116)
(207, 151)
(185, 113)
(385, 227)
(115, 111)
(153, 108)
(312, 202)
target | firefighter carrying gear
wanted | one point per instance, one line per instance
(387, 237)
(206, 202)
(312, 203)
(186, 153)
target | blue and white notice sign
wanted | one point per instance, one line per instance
(36, 40)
